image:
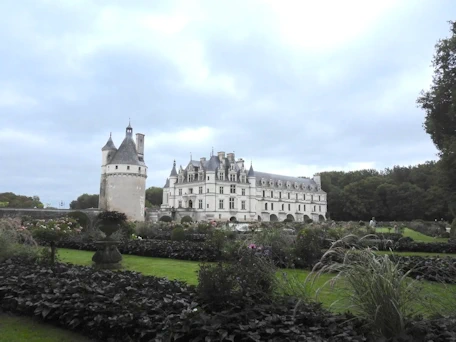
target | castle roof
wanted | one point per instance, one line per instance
(167, 183)
(173, 171)
(109, 145)
(267, 176)
(212, 164)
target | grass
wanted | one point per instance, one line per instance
(19, 328)
(417, 236)
(187, 271)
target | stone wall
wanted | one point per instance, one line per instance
(43, 213)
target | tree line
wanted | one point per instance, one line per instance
(395, 194)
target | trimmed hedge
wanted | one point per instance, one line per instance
(127, 306)
(183, 250)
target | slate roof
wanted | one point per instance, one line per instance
(109, 145)
(173, 171)
(127, 154)
(212, 164)
(267, 176)
(167, 183)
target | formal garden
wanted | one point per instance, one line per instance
(77, 279)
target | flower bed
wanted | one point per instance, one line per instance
(126, 306)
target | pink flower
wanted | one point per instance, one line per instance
(252, 246)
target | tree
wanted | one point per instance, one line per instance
(11, 200)
(154, 195)
(439, 103)
(85, 201)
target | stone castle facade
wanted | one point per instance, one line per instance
(222, 188)
(123, 176)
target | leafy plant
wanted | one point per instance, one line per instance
(308, 248)
(377, 288)
(178, 234)
(186, 219)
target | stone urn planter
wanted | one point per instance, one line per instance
(107, 255)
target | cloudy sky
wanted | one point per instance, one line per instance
(297, 87)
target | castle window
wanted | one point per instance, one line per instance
(312, 197)
(190, 191)
(207, 177)
(288, 195)
(296, 195)
(272, 206)
(221, 176)
(221, 190)
(243, 205)
(243, 192)
(289, 206)
(304, 197)
(207, 206)
(233, 178)
(180, 192)
(200, 204)
(207, 191)
(299, 207)
(221, 204)
(315, 208)
(117, 166)
(200, 190)
(280, 195)
(139, 168)
(283, 207)
(319, 198)
(232, 189)
(190, 204)
(245, 217)
(128, 167)
(265, 206)
(220, 216)
(319, 208)
(272, 194)
(304, 207)
(264, 193)
(180, 204)
(231, 203)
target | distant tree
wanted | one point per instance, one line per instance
(154, 195)
(11, 200)
(85, 201)
(439, 103)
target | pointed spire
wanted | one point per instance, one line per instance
(129, 130)
(109, 145)
(212, 153)
(190, 156)
(251, 172)
(173, 171)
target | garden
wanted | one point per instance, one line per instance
(185, 281)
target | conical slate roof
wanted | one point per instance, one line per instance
(251, 172)
(109, 145)
(173, 171)
(127, 154)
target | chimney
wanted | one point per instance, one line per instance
(140, 145)
(221, 155)
(202, 160)
(230, 157)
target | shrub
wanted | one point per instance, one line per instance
(16, 240)
(377, 288)
(111, 217)
(287, 220)
(186, 219)
(166, 219)
(309, 244)
(81, 218)
(178, 234)
(453, 229)
(246, 281)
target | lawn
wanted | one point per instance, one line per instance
(18, 329)
(418, 237)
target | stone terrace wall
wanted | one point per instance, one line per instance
(43, 213)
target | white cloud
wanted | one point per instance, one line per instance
(10, 98)
(184, 138)
(8, 135)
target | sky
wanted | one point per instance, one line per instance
(295, 87)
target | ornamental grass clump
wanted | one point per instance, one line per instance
(375, 287)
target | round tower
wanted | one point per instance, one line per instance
(125, 174)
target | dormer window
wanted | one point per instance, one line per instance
(128, 167)
(117, 167)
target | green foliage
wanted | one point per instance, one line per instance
(178, 234)
(166, 219)
(308, 248)
(186, 219)
(16, 240)
(81, 218)
(395, 194)
(54, 229)
(112, 217)
(377, 288)
(250, 279)
(154, 196)
(453, 229)
(85, 201)
(18, 201)
(439, 104)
